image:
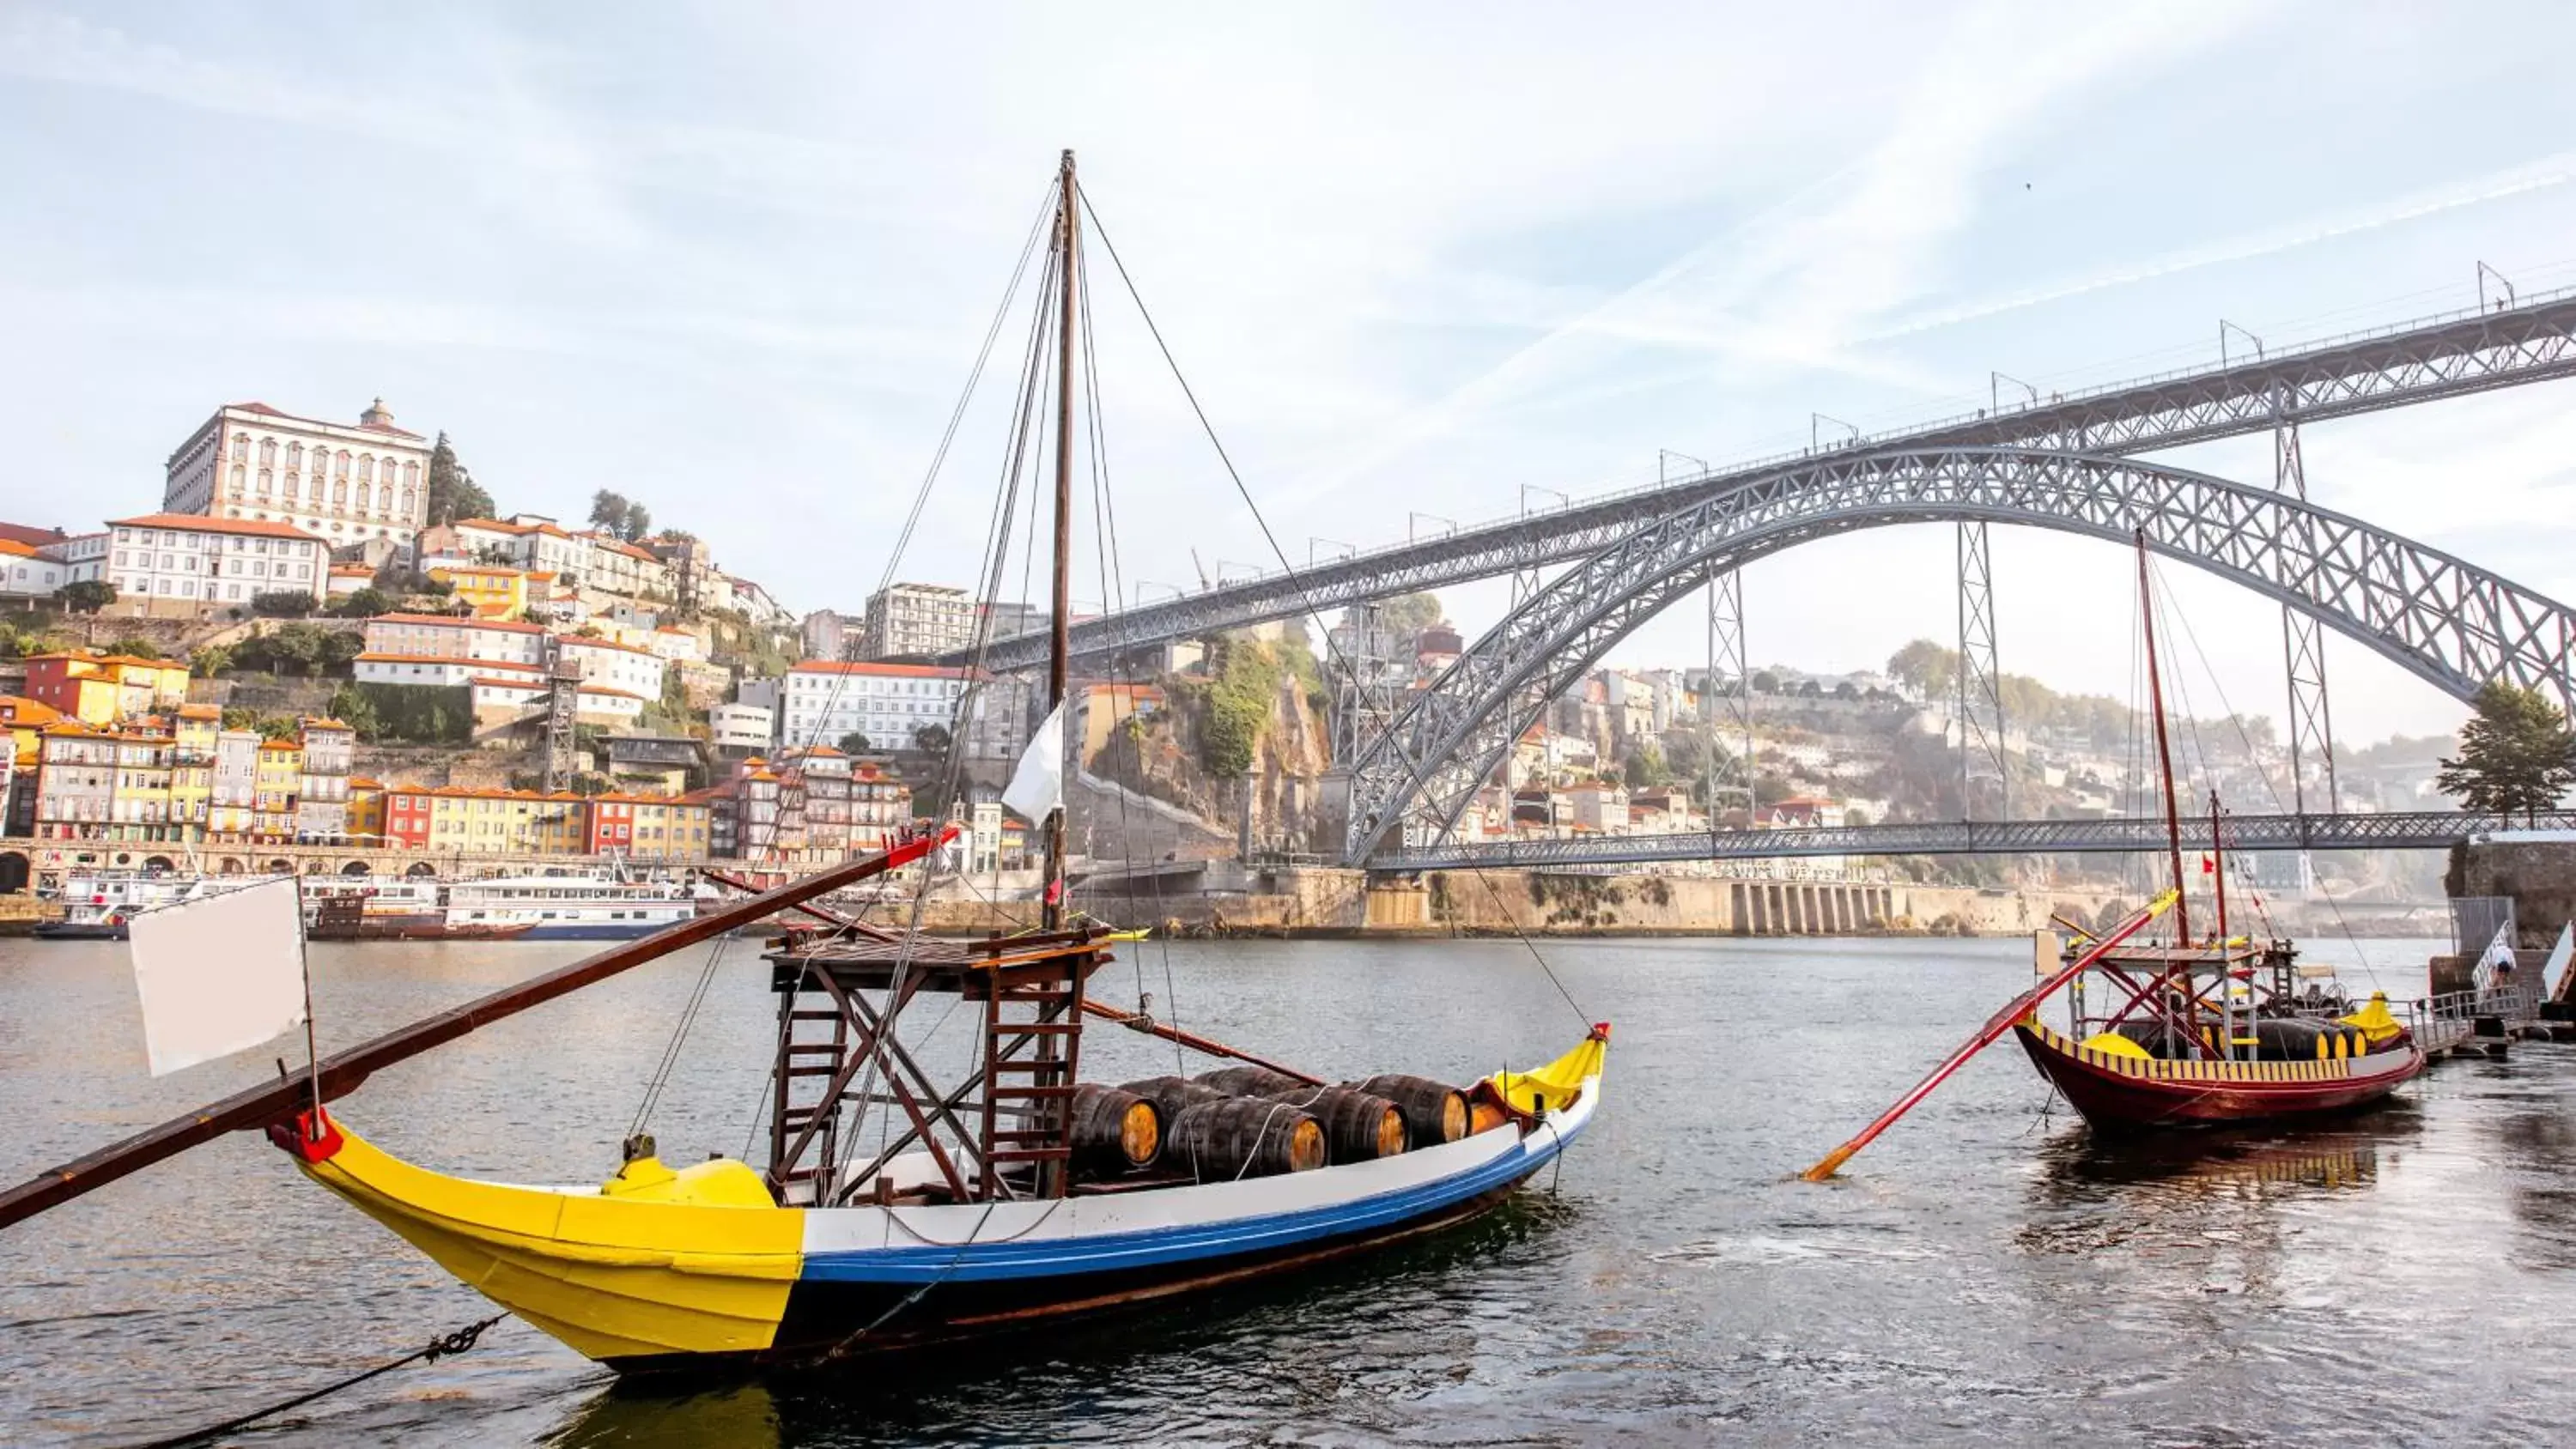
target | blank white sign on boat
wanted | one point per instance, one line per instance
(220, 974)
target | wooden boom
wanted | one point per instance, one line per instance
(342, 1072)
(1996, 1025)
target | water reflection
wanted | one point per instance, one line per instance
(2532, 1117)
(2081, 1166)
(1408, 1316)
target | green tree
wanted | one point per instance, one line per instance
(240, 717)
(2517, 754)
(284, 604)
(135, 646)
(1924, 668)
(931, 739)
(854, 743)
(619, 516)
(86, 596)
(278, 727)
(453, 493)
(364, 603)
(1411, 613)
(352, 706)
(210, 661)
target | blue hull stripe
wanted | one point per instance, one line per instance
(1068, 1256)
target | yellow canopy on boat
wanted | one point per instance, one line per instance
(1556, 1085)
(2374, 1019)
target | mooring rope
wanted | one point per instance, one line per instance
(443, 1346)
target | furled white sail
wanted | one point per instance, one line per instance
(219, 974)
(2553, 974)
(1037, 785)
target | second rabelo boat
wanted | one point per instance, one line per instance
(2209, 1031)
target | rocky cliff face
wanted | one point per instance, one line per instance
(1249, 735)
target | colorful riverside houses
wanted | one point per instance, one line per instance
(232, 806)
(280, 776)
(195, 730)
(646, 827)
(322, 781)
(140, 806)
(104, 688)
(75, 782)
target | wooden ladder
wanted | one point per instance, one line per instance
(1031, 1062)
(800, 1060)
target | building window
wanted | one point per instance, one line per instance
(241, 447)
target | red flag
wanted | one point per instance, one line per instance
(2208, 865)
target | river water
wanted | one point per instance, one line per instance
(1984, 1272)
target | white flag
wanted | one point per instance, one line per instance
(1037, 786)
(2555, 969)
(220, 974)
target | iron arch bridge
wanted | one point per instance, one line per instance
(2451, 624)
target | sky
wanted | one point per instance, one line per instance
(1419, 264)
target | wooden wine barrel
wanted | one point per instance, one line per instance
(1242, 1137)
(1251, 1081)
(1173, 1095)
(1434, 1112)
(1358, 1126)
(1114, 1130)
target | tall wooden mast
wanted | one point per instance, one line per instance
(2164, 750)
(1067, 234)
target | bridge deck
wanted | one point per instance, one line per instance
(2406, 830)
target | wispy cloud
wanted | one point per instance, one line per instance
(1801, 282)
(2496, 186)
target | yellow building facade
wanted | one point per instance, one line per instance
(492, 591)
(192, 765)
(505, 822)
(280, 776)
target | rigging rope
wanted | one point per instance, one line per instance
(1113, 578)
(443, 1346)
(1288, 570)
(2279, 806)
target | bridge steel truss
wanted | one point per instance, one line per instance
(2452, 624)
(2407, 830)
(2393, 367)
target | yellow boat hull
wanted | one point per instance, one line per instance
(610, 1276)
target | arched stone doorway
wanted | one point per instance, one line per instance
(158, 862)
(421, 869)
(357, 867)
(14, 871)
(281, 867)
